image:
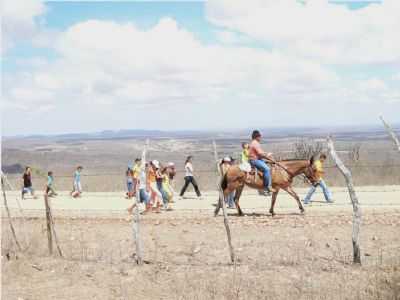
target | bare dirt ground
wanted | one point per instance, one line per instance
(290, 256)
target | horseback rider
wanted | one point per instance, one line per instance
(257, 159)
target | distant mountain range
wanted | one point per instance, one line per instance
(345, 132)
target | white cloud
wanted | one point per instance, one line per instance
(19, 21)
(317, 29)
(396, 77)
(106, 60)
(111, 71)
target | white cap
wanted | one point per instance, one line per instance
(227, 159)
(171, 164)
(156, 163)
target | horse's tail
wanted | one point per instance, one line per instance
(224, 181)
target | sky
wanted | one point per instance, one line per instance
(89, 66)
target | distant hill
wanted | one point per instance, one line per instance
(343, 133)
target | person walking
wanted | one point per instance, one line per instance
(319, 172)
(129, 182)
(159, 181)
(155, 194)
(225, 165)
(49, 186)
(27, 183)
(136, 171)
(77, 186)
(166, 186)
(143, 190)
(171, 172)
(189, 178)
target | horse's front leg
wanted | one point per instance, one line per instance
(273, 200)
(292, 193)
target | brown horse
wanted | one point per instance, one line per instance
(282, 173)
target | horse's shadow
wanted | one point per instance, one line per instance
(258, 215)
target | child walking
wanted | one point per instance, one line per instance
(166, 186)
(225, 165)
(77, 187)
(129, 182)
(155, 194)
(319, 171)
(49, 186)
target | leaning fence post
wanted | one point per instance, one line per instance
(53, 229)
(391, 133)
(48, 223)
(222, 203)
(8, 214)
(4, 177)
(354, 200)
(136, 223)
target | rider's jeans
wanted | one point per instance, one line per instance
(324, 187)
(262, 166)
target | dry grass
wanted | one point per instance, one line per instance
(279, 258)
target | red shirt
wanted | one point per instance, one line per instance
(255, 150)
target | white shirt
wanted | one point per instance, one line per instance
(142, 179)
(189, 169)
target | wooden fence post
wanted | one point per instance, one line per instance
(53, 228)
(391, 133)
(8, 213)
(48, 223)
(354, 200)
(4, 177)
(136, 223)
(222, 203)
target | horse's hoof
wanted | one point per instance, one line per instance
(302, 211)
(272, 213)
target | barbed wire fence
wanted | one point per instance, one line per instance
(364, 174)
(209, 173)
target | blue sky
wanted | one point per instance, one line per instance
(186, 62)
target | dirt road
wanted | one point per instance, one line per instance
(374, 198)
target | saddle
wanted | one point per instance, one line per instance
(260, 173)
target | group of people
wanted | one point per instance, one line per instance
(49, 190)
(153, 184)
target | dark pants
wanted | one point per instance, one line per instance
(190, 179)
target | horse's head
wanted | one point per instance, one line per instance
(310, 172)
